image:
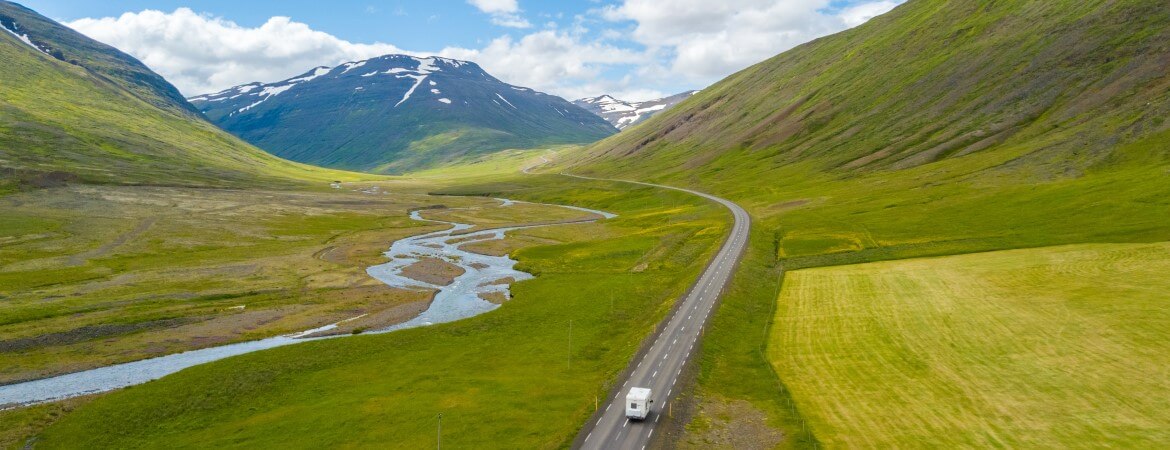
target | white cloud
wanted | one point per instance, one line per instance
(200, 54)
(637, 49)
(505, 13)
(552, 61)
(496, 6)
(705, 40)
(857, 15)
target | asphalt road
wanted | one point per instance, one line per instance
(660, 366)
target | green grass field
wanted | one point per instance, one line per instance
(804, 219)
(1056, 347)
(97, 275)
(943, 129)
(501, 379)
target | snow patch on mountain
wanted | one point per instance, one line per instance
(384, 77)
(390, 91)
(23, 37)
(418, 79)
(351, 65)
(426, 65)
(267, 92)
(623, 114)
(317, 73)
(506, 100)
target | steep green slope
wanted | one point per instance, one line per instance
(1062, 83)
(99, 60)
(397, 113)
(940, 128)
(97, 115)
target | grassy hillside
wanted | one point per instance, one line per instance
(940, 128)
(1060, 83)
(1030, 348)
(847, 149)
(97, 115)
(99, 60)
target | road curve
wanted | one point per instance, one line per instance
(659, 367)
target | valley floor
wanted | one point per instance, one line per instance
(613, 279)
(98, 275)
(1049, 347)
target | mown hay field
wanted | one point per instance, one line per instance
(1053, 347)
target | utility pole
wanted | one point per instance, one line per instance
(439, 437)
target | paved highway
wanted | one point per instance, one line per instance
(660, 366)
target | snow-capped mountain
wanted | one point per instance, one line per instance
(395, 113)
(623, 114)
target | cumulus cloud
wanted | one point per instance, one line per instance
(505, 13)
(636, 49)
(707, 40)
(199, 54)
(549, 60)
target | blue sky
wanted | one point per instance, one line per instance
(636, 49)
(408, 24)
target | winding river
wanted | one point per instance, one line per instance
(458, 300)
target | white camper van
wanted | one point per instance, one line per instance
(638, 403)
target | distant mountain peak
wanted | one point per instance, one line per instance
(604, 98)
(396, 112)
(624, 114)
(415, 68)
